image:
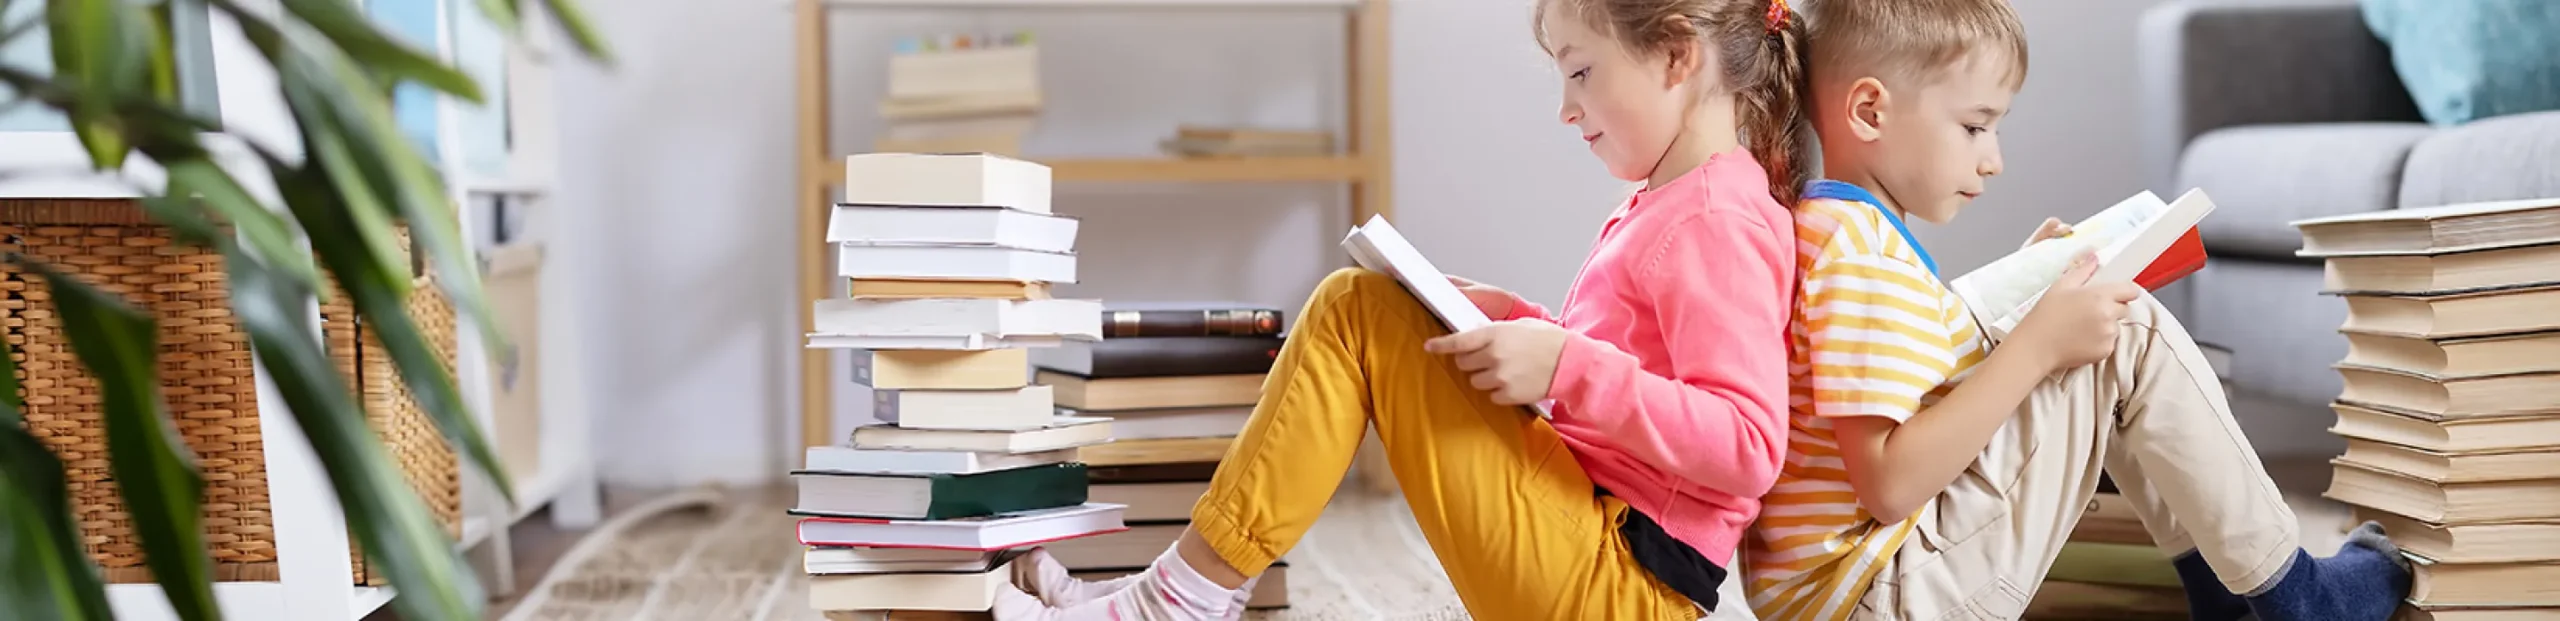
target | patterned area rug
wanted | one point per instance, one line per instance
(710, 554)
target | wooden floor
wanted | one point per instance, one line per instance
(538, 545)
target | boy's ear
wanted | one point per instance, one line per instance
(1868, 103)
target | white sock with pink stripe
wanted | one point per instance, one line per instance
(1168, 590)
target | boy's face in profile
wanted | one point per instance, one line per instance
(1937, 145)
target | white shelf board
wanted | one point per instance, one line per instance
(540, 489)
(239, 600)
(1091, 4)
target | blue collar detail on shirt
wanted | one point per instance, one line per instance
(1845, 191)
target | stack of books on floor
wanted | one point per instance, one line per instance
(1178, 381)
(950, 260)
(961, 92)
(2451, 406)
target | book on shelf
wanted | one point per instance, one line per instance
(1028, 407)
(2492, 542)
(2441, 229)
(1173, 422)
(960, 591)
(2473, 313)
(2444, 502)
(960, 317)
(1162, 356)
(2444, 434)
(2139, 240)
(1140, 393)
(967, 225)
(2515, 584)
(1377, 246)
(901, 179)
(853, 560)
(954, 262)
(832, 458)
(937, 496)
(2443, 274)
(986, 533)
(1168, 318)
(2482, 396)
(918, 288)
(940, 369)
(2533, 352)
(1063, 432)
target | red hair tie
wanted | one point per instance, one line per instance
(1777, 16)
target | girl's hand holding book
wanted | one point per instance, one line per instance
(1516, 360)
(1495, 302)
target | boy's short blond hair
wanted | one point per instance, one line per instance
(1898, 40)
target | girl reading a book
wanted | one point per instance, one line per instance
(1664, 371)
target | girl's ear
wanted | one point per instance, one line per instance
(1684, 61)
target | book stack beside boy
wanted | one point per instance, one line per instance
(1178, 381)
(950, 260)
(2451, 400)
(961, 92)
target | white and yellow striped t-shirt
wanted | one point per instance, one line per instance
(1875, 333)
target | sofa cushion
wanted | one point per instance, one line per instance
(2264, 176)
(2505, 158)
(2465, 61)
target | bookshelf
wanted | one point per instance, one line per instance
(1362, 166)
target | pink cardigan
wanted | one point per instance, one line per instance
(1673, 392)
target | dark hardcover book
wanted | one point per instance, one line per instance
(1161, 356)
(1154, 473)
(938, 496)
(1146, 319)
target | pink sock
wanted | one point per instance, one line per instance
(1167, 590)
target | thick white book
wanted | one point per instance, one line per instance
(959, 226)
(891, 461)
(986, 534)
(905, 261)
(1028, 407)
(1075, 319)
(946, 179)
(1378, 247)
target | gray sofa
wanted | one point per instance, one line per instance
(2289, 110)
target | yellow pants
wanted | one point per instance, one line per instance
(1510, 514)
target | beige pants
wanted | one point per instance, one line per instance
(2154, 416)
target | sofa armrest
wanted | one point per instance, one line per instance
(2208, 64)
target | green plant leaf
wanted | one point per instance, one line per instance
(574, 22)
(507, 15)
(101, 46)
(267, 232)
(155, 475)
(319, 102)
(388, 519)
(49, 575)
(369, 46)
(381, 306)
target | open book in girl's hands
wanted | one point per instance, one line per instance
(1378, 247)
(2139, 240)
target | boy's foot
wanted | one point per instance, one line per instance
(2207, 599)
(2365, 581)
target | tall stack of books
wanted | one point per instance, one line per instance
(950, 260)
(958, 92)
(1178, 380)
(2451, 406)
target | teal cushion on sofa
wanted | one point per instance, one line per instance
(2472, 59)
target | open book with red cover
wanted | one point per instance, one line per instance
(2140, 240)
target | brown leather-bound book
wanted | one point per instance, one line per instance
(1135, 319)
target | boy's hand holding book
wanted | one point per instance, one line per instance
(2076, 322)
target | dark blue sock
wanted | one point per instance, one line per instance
(2207, 599)
(2364, 581)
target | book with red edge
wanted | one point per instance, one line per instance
(2141, 240)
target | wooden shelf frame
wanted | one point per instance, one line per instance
(1365, 167)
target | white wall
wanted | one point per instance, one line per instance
(679, 162)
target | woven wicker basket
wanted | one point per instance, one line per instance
(207, 378)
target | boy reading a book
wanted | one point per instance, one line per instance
(1934, 472)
